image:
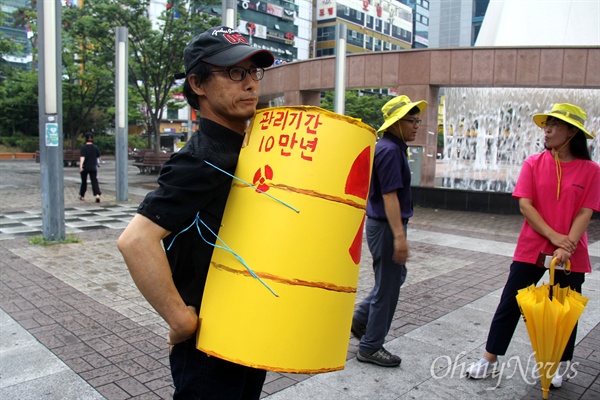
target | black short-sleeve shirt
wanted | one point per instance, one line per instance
(91, 153)
(188, 187)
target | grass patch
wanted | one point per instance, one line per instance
(43, 242)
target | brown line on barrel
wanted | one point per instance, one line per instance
(313, 193)
(286, 281)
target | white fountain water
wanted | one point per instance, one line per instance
(489, 132)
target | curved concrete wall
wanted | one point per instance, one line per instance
(420, 73)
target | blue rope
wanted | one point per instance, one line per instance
(224, 247)
(251, 185)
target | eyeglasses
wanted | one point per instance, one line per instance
(239, 73)
(413, 122)
(551, 124)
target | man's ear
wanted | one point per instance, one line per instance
(196, 85)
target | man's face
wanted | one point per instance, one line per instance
(407, 127)
(228, 102)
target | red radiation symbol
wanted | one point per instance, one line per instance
(261, 176)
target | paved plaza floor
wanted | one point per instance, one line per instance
(74, 326)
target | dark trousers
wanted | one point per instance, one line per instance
(377, 310)
(93, 178)
(507, 314)
(197, 375)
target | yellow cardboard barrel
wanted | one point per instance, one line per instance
(304, 242)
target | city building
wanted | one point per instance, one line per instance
(371, 25)
(281, 26)
(455, 23)
(270, 25)
(20, 35)
(420, 22)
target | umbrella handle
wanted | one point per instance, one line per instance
(552, 267)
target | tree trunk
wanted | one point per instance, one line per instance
(156, 128)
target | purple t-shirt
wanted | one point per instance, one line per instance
(390, 172)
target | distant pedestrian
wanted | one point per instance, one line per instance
(558, 191)
(388, 209)
(88, 165)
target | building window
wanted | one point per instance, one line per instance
(172, 114)
(326, 33)
(355, 38)
(325, 52)
(407, 16)
(369, 43)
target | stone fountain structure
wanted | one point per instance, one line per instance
(488, 133)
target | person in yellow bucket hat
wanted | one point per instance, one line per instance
(558, 191)
(222, 74)
(389, 208)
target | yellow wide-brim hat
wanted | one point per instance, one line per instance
(569, 113)
(397, 108)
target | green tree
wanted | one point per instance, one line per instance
(87, 87)
(18, 89)
(7, 46)
(88, 77)
(19, 105)
(365, 107)
(156, 51)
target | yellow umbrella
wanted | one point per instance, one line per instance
(550, 314)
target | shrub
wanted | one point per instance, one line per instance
(28, 144)
(9, 141)
(105, 143)
(137, 142)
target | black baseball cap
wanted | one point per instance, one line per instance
(222, 46)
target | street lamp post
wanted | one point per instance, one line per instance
(121, 115)
(50, 120)
(339, 94)
(229, 13)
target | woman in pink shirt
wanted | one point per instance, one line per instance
(558, 191)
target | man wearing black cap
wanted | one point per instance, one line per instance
(222, 74)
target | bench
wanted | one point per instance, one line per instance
(138, 155)
(71, 158)
(152, 162)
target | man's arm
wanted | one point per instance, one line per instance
(393, 214)
(140, 245)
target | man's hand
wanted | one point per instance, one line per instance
(400, 251)
(186, 329)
